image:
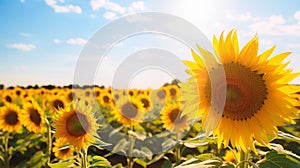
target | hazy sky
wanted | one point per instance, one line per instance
(41, 40)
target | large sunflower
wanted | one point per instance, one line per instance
(257, 94)
(173, 118)
(33, 117)
(76, 125)
(128, 111)
(10, 118)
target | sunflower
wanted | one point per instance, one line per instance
(173, 119)
(158, 96)
(57, 102)
(128, 111)
(33, 117)
(76, 125)
(10, 118)
(7, 96)
(257, 94)
(106, 99)
(173, 91)
(62, 150)
(147, 104)
(231, 156)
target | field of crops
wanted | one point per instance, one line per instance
(119, 128)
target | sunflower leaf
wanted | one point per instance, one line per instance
(194, 162)
(168, 144)
(99, 161)
(121, 146)
(99, 142)
(274, 159)
(39, 159)
(287, 136)
(141, 162)
(61, 164)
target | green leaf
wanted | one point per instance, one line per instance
(38, 159)
(116, 130)
(137, 135)
(99, 161)
(100, 143)
(275, 160)
(168, 144)
(288, 137)
(205, 156)
(141, 162)
(194, 162)
(194, 143)
(121, 146)
(61, 164)
(146, 152)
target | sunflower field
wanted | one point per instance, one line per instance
(177, 125)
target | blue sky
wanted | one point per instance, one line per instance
(41, 40)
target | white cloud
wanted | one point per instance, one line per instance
(25, 34)
(113, 9)
(266, 42)
(76, 41)
(294, 45)
(97, 4)
(22, 1)
(63, 8)
(297, 16)
(138, 5)
(275, 25)
(56, 41)
(22, 47)
(108, 5)
(109, 15)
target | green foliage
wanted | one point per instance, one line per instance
(274, 159)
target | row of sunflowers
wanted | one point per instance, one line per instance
(255, 123)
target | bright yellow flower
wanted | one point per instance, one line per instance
(76, 125)
(10, 118)
(257, 92)
(129, 111)
(62, 150)
(232, 156)
(173, 119)
(33, 117)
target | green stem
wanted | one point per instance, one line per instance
(244, 159)
(49, 138)
(177, 150)
(84, 158)
(6, 152)
(131, 143)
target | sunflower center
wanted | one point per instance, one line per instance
(64, 150)
(58, 104)
(8, 99)
(18, 93)
(173, 92)
(175, 118)
(11, 118)
(106, 99)
(77, 125)
(245, 91)
(146, 103)
(129, 110)
(35, 116)
(161, 94)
